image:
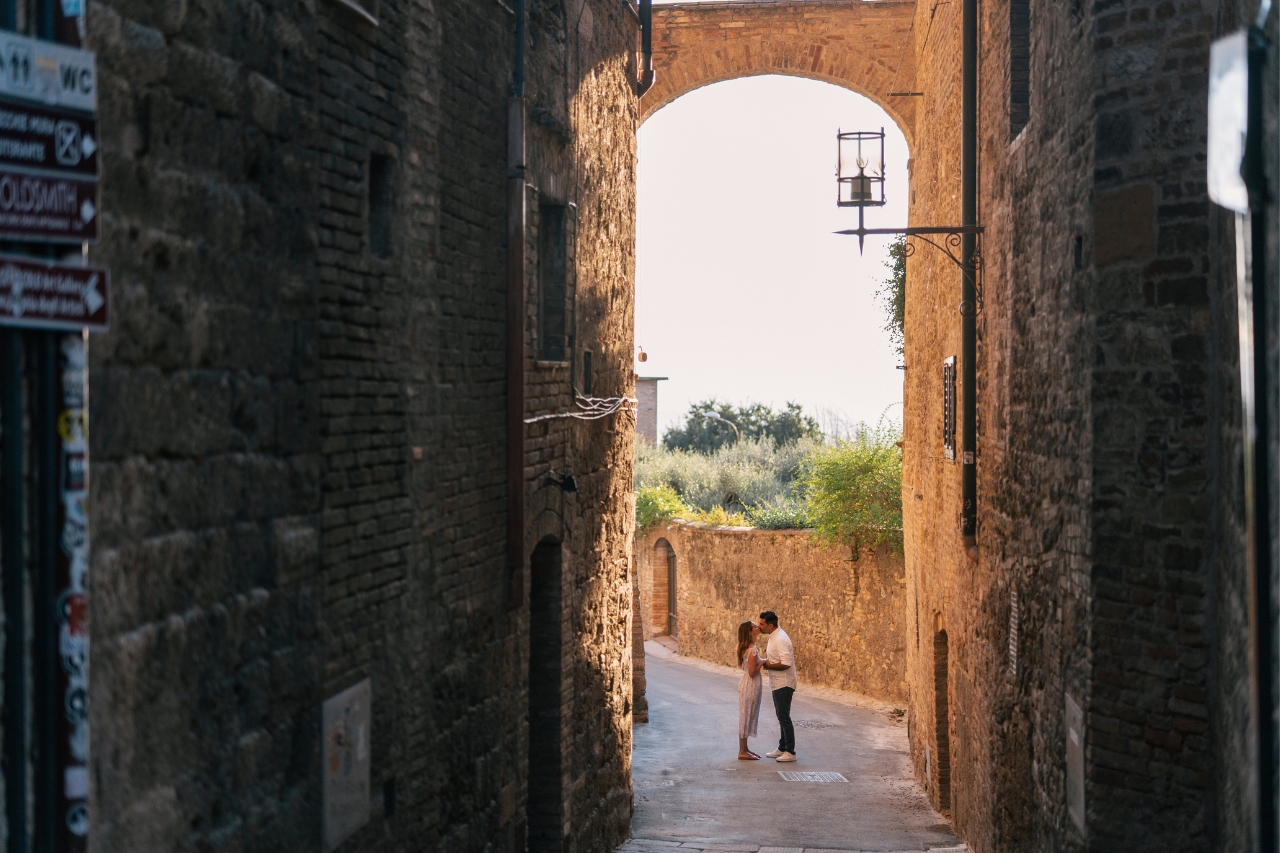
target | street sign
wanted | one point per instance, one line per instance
(41, 295)
(48, 73)
(55, 210)
(49, 140)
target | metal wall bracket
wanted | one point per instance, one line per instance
(951, 243)
(950, 246)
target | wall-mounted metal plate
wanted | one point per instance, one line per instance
(809, 776)
(1075, 762)
(949, 407)
(346, 763)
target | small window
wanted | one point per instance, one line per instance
(1019, 66)
(553, 262)
(586, 373)
(380, 201)
(949, 407)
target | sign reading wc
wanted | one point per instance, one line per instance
(48, 73)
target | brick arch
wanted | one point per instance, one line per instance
(855, 44)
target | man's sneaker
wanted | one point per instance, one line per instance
(773, 754)
(786, 756)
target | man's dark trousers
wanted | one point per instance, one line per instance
(782, 705)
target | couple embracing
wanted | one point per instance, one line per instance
(780, 660)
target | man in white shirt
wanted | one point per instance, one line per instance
(780, 660)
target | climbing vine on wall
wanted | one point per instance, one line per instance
(893, 293)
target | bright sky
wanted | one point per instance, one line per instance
(743, 293)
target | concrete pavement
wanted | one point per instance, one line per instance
(693, 794)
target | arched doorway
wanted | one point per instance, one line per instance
(546, 727)
(664, 589)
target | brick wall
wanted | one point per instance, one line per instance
(849, 43)
(298, 420)
(845, 617)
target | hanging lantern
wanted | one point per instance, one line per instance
(860, 168)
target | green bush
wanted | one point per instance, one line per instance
(735, 477)
(657, 503)
(718, 516)
(853, 489)
(783, 515)
(848, 488)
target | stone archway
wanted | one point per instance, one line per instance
(852, 43)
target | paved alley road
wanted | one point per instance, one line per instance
(692, 790)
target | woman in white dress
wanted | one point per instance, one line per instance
(750, 688)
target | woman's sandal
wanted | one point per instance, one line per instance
(750, 756)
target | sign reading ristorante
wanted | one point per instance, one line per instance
(52, 296)
(45, 139)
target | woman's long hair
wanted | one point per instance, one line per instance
(744, 639)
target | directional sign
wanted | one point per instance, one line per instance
(48, 140)
(58, 210)
(52, 296)
(48, 73)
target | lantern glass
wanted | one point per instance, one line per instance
(860, 168)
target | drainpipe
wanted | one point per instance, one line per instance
(968, 291)
(516, 321)
(1258, 434)
(13, 500)
(646, 47)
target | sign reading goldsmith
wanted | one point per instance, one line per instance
(52, 296)
(55, 210)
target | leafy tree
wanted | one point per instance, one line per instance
(854, 489)
(702, 434)
(893, 295)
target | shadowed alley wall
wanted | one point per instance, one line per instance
(847, 618)
(298, 418)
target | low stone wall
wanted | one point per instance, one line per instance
(846, 618)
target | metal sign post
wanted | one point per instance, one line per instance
(1236, 181)
(49, 166)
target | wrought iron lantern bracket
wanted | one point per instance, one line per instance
(950, 246)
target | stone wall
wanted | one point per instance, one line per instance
(846, 617)
(1107, 440)
(298, 419)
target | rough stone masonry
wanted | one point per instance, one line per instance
(1110, 581)
(1111, 566)
(297, 421)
